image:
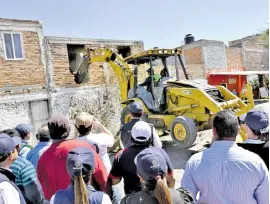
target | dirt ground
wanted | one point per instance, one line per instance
(178, 156)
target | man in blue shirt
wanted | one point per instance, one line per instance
(44, 138)
(24, 130)
(226, 173)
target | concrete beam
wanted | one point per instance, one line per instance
(68, 40)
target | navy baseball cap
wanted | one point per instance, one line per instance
(80, 159)
(151, 164)
(257, 120)
(136, 107)
(23, 129)
(17, 140)
(7, 145)
(14, 135)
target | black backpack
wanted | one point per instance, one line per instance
(186, 195)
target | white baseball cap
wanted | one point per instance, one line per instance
(141, 131)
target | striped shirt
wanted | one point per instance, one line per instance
(227, 174)
(26, 180)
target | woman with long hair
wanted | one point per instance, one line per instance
(152, 169)
(80, 166)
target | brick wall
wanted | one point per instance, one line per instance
(62, 76)
(30, 70)
(234, 57)
(193, 63)
(61, 73)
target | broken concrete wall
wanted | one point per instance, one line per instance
(45, 69)
(101, 101)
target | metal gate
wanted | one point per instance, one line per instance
(40, 114)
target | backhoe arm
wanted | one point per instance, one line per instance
(119, 66)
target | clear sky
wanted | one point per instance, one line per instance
(162, 23)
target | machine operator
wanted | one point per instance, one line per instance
(147, 81)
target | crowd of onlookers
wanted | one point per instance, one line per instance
(68, 171)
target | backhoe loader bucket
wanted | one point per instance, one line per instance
(79, 67)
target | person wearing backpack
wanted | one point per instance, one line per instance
(136, 111)
(9, 192)
(80, 166)
(24, 131)
(123, 165)
(152, 169)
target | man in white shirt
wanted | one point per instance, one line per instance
(9, 192)
(85, 123)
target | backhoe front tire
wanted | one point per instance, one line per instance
(183, 131)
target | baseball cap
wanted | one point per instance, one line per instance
(257, 120)
(260, 107)
(80, 159)
(151, 164)
(17, 140)
(136, 107)
(23, 129)
(84, 119)
(7, 145)
(14, 134)
(141, 131)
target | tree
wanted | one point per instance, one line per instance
(265, 37)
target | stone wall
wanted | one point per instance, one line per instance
(101, 101)
(15, 113)
(255, 56)
(214, 55)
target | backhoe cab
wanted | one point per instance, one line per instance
(181, 106)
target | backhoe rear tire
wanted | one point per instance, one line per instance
(183, 131)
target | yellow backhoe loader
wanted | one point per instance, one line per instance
(182, 107)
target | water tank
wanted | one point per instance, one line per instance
(189, 39)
